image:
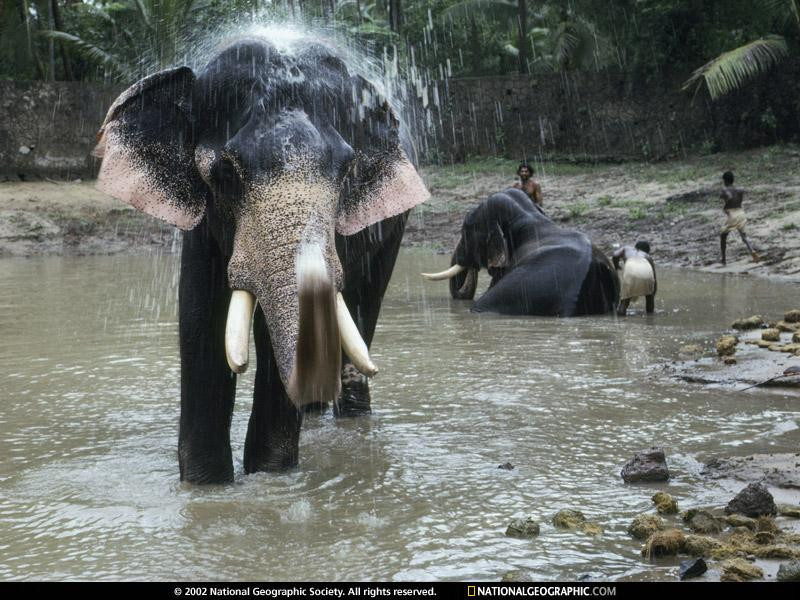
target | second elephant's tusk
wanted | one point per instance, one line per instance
(449, 274)
(352, 342)
(237, 330)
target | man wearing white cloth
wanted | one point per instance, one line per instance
(736, 218)
(638, 276)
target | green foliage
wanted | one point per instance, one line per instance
(768, 119)
(437, 38)
(92, 53)
(577, 210)
(151, 34)
(708, 146)
(605, 200)
(637, 213)
(20, 52)
(731, 70)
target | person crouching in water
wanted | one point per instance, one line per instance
(638, 276)
(736, 218)
(527, 184)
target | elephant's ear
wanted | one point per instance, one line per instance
(147, 146)
(497, 249)
(383, 182)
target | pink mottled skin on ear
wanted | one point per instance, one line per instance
(396, 194)
(123, 177)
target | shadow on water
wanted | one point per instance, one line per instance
(88, 432)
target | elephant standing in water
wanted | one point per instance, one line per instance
(289, 175)
(537, 267)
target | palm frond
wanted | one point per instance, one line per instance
(789, 9)
(144, 13)
(91, 52)
(731, 70)
(374, 30)
(565, 45)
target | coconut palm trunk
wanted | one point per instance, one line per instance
(522, 24)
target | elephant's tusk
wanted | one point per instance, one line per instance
(449, 274)
(352, 342)
(237, 330)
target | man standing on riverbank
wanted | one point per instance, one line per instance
(736, 218)
(527, 184)
(638, 276)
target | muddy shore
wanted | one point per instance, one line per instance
(674, 205)
(662, 202)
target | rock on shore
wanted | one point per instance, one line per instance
(523, 528)
(643, 526)
(753, 501)
(665, 504)
(647, 465)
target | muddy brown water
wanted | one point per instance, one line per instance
(88, 432)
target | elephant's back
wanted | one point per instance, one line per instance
(560, 246)
(546, 282)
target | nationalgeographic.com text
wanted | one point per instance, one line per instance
(484, 591)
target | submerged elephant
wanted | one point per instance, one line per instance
(537, 267)
(288, 173)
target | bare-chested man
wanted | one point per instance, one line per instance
(527, 184)
(638, 276)
(736, 218)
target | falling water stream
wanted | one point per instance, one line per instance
(89, 386)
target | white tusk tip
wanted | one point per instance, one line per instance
(237, 368)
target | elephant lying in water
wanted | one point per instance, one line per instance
(537, 267)
(289, 175)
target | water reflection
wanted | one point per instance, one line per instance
(88, 433)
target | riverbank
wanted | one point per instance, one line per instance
(660, 202)
(613, 204)
(73, 218)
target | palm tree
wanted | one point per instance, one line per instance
(731, 70)
(364, 20)
(501, 12)
(152, 33)
(561, 38)
(18, 27)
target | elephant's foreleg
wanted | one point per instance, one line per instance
(366, 280)
(273, 434)
(207, 385)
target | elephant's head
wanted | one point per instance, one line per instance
(487, 241)
(278, 149)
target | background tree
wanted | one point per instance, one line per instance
(733, 69)
(655, 40)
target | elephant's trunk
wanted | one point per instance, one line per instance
(284, 255)
(315, 374)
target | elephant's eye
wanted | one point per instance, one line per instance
(346, 162)
(227, 174)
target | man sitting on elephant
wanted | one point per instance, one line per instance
(537, 267)
(638, 276)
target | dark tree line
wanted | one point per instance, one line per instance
(722, 42)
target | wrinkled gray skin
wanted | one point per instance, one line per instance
(264, 156)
